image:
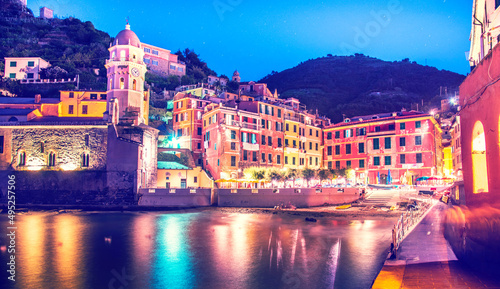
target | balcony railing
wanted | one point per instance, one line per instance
(241, 124)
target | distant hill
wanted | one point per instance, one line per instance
(360, 85)
(75, 46)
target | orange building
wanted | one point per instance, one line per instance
(187, 124)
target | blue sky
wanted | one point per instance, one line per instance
(257, 37)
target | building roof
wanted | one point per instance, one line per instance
(21, 100)
(380, 117)
(15, 111)
(126, 37)
(163, 165)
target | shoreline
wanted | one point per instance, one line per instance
(315, 212)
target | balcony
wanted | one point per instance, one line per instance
(293, 118)
(241, 124)
(250, 146)
(381, 133)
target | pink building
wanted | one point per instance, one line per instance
(162, 61)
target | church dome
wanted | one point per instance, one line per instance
(126, 37)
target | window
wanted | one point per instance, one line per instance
(348, 164)
(31, 63)
(286, 160)
(316, 146)
(337, 134)
(154, 62)
(30, 75)
(348, 149)
(402, 141)
(361, 147)
(180, 69)
(93, 96)
(195, 180)
(147, 50)
(286, 142)
(233, 134)
(134, 84)
(263, 157)
(387, 144)
(497, 3)
(199, 131)
(361, 164)
(147, 60)
(87, 140)
(42, 147)
(52, 159)
(317, 133)
(329, 135)
(418, 124)
(387, 160)
(279, 142)
(13, 63)
(122, 83)
(279, 112)
(233, 161)
(84, 109)
(337, 165)
(294, 144)
(310, 131)
(376, 144)
(294, 128)
(337, 149)
(263, 140)
(269, 140)
(317, 161)
(377, 128)
(1, 144)
(402, 159)
(12, 75)
(155, 52)
(293, 160)
(329, 165)
(122, 55)
(418, 140)
(254, 157)
(419, 158)
(172, 67)
(286, 127)
(376, 161)
(278, 159)
(310, 146)
(85, 160)
(22, 159)
(270, 158)
(329, 149)
(233, 146)
(199, 147)
(70, 109)
(402, 126)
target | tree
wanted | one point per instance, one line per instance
(292, 174)
(323, 174)
(308, 174)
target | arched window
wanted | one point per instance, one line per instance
(113, 55)
(110, 84)
(122, 83)
(13, 119)
(134, 85)
(122, 55)
(479, 165)
(85, 160)
(52, 159)
(22, 159)
(42, 147)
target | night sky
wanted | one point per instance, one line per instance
(257, 37)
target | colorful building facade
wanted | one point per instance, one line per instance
(386, 148)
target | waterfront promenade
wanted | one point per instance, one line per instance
(425, 260)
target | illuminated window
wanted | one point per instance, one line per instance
(113, 55)
(22, 159)
(479, 162)
(52, 159)
(122, 83)
(122, 55)
(93, 96)
(134, 84)
(85, 160)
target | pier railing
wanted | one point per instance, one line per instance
(408, 220)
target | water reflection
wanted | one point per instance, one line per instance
(195, 250)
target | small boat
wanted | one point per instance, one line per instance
(344, 207)
(381, 187)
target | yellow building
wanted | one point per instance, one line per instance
(448, 162)
(82, 104)
(182, 177)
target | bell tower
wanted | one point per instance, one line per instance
(126, 75)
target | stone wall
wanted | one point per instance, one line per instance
(67, 142)
(72, 187)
